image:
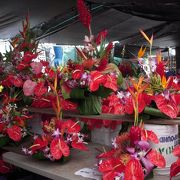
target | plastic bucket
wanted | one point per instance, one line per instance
(104, 135)
(168, 139)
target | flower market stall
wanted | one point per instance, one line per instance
(79, 110)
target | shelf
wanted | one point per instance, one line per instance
(124, 118)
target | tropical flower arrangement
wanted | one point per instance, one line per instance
(163, 93)
(92, 76)
(131, 156)
(58, 135)
(13, 126)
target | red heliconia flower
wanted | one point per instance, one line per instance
(28, 87)
(71, 127)
(133, 170)
(39, 143)
(109, 48)
(101, 36)
(77, 73)
(176, 150)
(40, 89)
(135, 134)
(59, 148)
(110, 82)
(149, 135)
(160, 69)
(110, 168)
(97, 79)
(168, 107)
(84, 14)
(156, 158)
(14, 133)
(78, 145)
(102, 65)
(36, 67)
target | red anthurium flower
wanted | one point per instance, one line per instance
(36, 67)
(28, 87)
(97, 79)
(16, 81)
(149, 135)
(176, 98)
(175, 168)
(108, 154)
(101, 36)
(77, 73)
(14, 133)
(50, 72)
(79, 145)
(168, 107)
(156, 158)
(39, 143)
(110, 168)
(109, 48)
(22, 66)
(176, 150)
(68, 105)
(40, 89)
(111, 82)
(29, 56)
(135, 134)
(59, 148)
(71, 126)
(133, 170)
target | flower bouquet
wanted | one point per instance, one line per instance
(92, 76)
(12, 121)
(163, 93)
(132, 156)
(58, 135)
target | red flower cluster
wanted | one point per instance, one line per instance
(59, 136)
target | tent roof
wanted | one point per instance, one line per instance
(122, 18)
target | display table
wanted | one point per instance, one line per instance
(59, 171)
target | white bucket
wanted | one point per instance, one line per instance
(104, 135)
(168, 139)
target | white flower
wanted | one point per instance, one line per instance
(120, 95)
(114, 144)
(24, 150)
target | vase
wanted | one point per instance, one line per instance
(168, 139)
(104, 136)
(90, 105)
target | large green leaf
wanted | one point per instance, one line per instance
(3, 141)
(77, 93)
(90, 105)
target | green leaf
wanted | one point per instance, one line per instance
(39, 156)
(120, 79)
(65, 94)
(90, 105)
(77, 93)
(103, 92)
(154, 112)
